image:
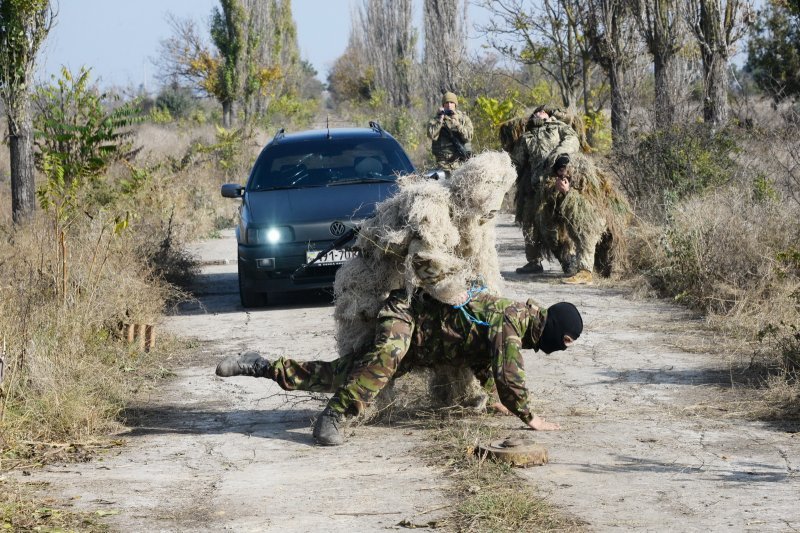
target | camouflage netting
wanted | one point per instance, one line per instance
(597, 209)
(512, 129)
(601, 208)
(435, 236)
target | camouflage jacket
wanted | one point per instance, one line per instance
(444, 334)
(540, 145)
(441, 144)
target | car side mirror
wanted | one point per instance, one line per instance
(435, 175)
(232, 190)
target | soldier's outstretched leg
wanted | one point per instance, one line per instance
(312, 376)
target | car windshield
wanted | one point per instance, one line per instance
(328, 162)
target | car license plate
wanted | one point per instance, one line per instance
(334, 257)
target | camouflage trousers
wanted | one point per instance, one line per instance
(356, 379)
(528, 200)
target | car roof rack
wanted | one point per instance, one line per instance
(377, 127)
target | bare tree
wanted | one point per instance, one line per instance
(662, 25)
(543, 34)
(609, 28)
(23, 28)
(445, 24)
(182, 55)
(390, 46)
(717, 25)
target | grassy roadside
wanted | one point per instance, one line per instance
(488, 495)
(22, 510)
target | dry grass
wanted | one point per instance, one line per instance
(68, 372)
(734, 256)
(22, 510)
(489, 495)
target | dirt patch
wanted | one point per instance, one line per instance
(652, 435)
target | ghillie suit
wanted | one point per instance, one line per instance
(591, 218)
(534, 144)
(435, 236)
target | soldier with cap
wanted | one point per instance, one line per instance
(451, 133)
(485, 333)
(534, 153)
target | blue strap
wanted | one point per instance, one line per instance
(471, 292)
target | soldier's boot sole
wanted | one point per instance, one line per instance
(531, 268)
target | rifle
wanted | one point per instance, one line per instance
(346, 237)
(463, 153)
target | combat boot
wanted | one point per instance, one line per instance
(531, 268)
(583, 277)
(329, 428)
(570, 265)
(246, 364)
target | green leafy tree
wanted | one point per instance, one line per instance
(24, 24)
(773, 55)
(227, 34)
(75, 132)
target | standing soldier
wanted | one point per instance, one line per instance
(450, 132)
(534, 154)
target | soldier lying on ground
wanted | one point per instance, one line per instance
(484, 333)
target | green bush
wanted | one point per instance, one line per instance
(178, 101)
(669, 165)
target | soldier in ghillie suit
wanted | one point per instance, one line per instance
(437, 237)
(533, 151)
(485, 333)
(451, 133)
(581, 210)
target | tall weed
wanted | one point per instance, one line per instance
(732, 253)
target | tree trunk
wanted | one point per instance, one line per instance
(20, 142)
(663, 70)
(716, 108)
(715, 65)
(227, 114)
(620, 113)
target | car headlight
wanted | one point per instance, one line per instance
(272, 235)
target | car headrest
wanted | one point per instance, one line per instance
(368, 165)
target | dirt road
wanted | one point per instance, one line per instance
(649, 439)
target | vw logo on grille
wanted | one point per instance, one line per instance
(337, 229)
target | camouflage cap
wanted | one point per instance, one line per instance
(449, 97)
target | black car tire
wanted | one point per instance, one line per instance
(250, 298)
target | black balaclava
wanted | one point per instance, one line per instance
(563, 318)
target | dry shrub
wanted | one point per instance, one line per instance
(66, 367)
(734, 255)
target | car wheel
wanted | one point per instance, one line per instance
(249, 297)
